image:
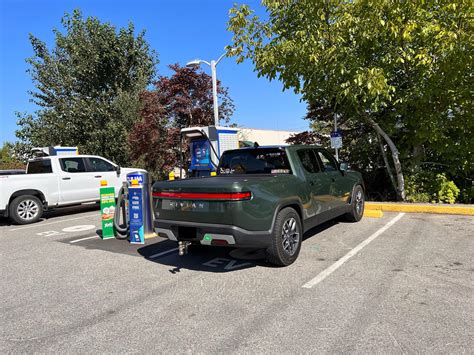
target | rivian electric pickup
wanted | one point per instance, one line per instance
(262, 197)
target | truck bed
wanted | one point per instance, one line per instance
(222, 199)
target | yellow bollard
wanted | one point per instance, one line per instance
(171, 176)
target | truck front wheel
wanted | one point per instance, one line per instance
(357, 205)
(26, 209)
(286, 240)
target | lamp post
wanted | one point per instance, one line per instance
(212, 64)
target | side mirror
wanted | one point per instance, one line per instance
(117, 169)
(344, 167)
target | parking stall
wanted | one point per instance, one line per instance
(394, 284)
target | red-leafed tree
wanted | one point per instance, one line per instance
(181, 100)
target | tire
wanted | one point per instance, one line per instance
(26, 209)
(287, 237)
(357, 205)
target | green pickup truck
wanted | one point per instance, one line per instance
(262, 197)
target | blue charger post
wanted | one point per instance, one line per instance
(137, 230)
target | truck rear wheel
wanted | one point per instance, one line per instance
(26, 209)
(287, 236)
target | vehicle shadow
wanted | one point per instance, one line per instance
(58, 212)
(204, 258)
(313, 232)
(215, 259)
(199, 258)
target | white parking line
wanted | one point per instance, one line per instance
(79, 240)
(326, 272)
(162, 253)
(36, 225)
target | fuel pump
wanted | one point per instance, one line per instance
(134, 207)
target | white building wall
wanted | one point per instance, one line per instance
(264, 136)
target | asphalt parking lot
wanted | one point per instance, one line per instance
(399, 284)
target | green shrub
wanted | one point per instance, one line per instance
(448, 192)
(418, 197)
(427, 186)
(418, 185)
(467, 194)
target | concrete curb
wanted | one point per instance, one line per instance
(420, 208)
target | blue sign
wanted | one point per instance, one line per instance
(137, 234)
(135, 176)
(200, 154)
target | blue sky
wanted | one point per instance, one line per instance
(177, 30)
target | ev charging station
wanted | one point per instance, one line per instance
(134, 203)
(139, 204)
(207, 145)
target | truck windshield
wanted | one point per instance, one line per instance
(254, 161)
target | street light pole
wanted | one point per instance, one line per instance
(213, 65)
(214, 92)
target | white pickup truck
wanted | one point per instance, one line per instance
(56, 181)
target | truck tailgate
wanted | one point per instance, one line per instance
(215, 200)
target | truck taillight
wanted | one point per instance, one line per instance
(232, 196)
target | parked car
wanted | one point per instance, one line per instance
(262, 197)
(56, 181)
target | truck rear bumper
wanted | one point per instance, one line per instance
(212, 234)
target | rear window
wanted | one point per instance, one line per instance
(42, 166)
(254, 161)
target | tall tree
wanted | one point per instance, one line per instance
(181, 100)
(8, 158)
(403, 68)
(87, 87)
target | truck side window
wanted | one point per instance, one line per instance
(329, 163)
(42, 166)
(72, 165)
(97, 164)
(308, 160)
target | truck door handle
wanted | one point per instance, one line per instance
(66, 178)
(98, 176)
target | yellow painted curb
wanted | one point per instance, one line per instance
(414, 208)
(373, 213)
